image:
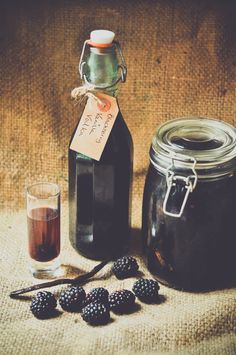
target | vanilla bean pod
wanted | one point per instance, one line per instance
(77, 280)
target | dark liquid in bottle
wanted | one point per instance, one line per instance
(44, 234)
(99, 196)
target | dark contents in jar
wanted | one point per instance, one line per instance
(196, 144)
(196, 251)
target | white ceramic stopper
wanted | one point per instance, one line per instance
(102, 36)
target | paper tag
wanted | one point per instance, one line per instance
(95, 126)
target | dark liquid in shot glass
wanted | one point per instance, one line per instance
(44, 233)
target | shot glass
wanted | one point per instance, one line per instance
(43, 219)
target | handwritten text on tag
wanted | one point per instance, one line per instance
(95, 126)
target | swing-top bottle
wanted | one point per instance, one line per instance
(100, 190)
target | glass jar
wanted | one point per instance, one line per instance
(189, 204)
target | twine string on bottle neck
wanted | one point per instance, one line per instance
(80, 93)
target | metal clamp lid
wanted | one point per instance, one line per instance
(172, 180)
(190, 149)
(122, 67)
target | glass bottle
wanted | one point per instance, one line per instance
(100, 191)
(189, 204)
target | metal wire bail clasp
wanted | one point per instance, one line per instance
(172, 180)
(122, 66)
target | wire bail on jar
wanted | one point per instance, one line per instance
(173, 179)
(122, 66)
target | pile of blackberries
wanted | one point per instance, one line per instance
(95, 306)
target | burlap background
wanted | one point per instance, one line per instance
(181, 58)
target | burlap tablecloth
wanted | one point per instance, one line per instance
(184, 323)
(181, 61)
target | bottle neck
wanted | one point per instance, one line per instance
(101, 69)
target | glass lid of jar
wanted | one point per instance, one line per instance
(206, 143)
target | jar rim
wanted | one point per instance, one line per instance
(207, 142)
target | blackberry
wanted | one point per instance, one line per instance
(125, 267)
(43, 305)
(146, 290)
(121, 301)
(72, 299)
(96, 313)
(47, 297)
(99, 295)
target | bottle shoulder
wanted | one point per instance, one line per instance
(122, 123)
(120, 134)
(118, 145)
